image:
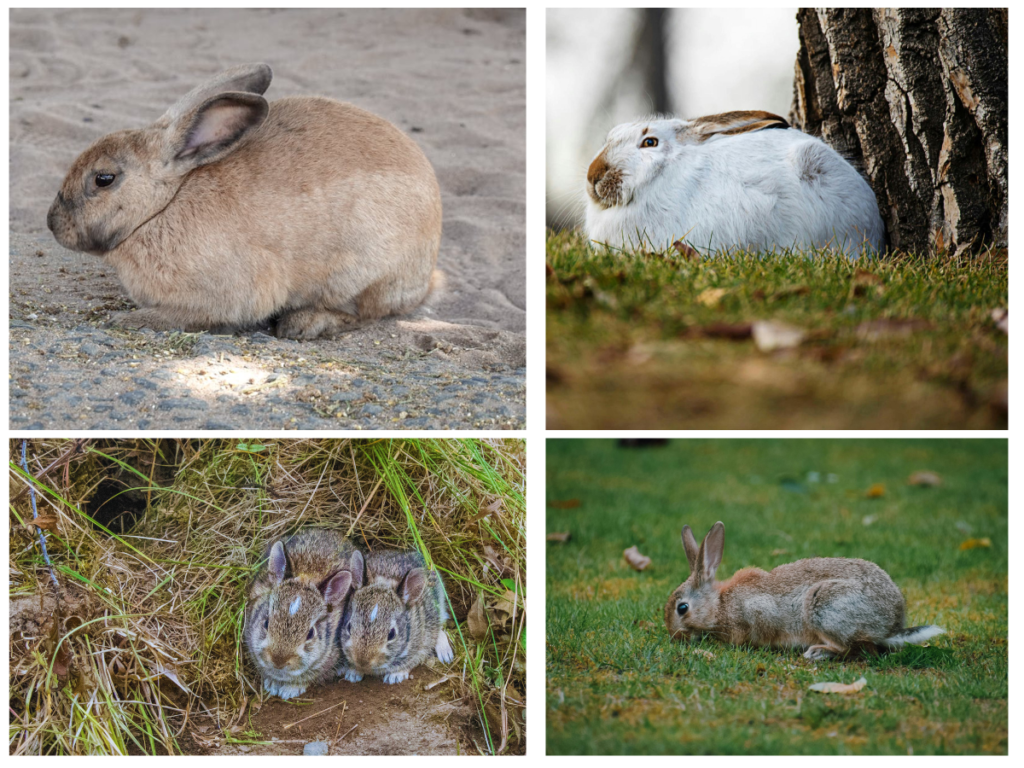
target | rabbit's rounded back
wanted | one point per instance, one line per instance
(392, 622)
(228, 211)
(737, 180)
(295, 605)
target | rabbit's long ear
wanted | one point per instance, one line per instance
(335, 588)
(413, 585)
(733, 123)
(691, 547)
(277, 564)
(710, 556)
(246, 78)
(213, 129)
(357, 567)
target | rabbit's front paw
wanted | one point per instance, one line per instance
(315, 323)
(816, 652)
(283, 690)
(443, 649)
(351, 675)
(395, 677)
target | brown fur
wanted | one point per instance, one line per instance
(319, 212)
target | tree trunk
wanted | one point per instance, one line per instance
(917, 98)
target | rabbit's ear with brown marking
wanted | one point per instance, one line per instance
(710, 555)
(732, 123)
(214, 129)
(691, 546)
(413, 586)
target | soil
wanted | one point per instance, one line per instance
(365, 718)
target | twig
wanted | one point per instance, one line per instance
(347, 732)
(35, 515)
(436, 683)
(365, 505)
(76, 447)
(340, 721)
(317, 714)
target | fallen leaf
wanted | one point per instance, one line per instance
(711, 297)
(770, 335)
(790, 290)
(636, 561)
(171, 674)
(735, 331)
(46, 521)
(562, 536)
(872, 330)
(975, 543)
(876, 491)
(864, 281)
(491, 509)
(924, 478)
(1001, 317)
(565, 504)
(839, 687)
(507, 604)
(684, 250)
(476, 620)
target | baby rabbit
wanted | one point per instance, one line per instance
(736, 180)
(394, 622)
(826, 605)
(295, 604)
(228, 212)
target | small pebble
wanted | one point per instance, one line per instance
(315, 748)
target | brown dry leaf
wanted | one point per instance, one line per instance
(790, 290)
(770, 335)
(839, 687)
(1001, 317)
(506, 605)
(684, 250)
(636, 561)
(564, 504)
(476, 620)
(735, 331)
(924, 478)
(876, 491)
(975, 543)
(46, 521)
(171, 674)
(711, 297)
(491, 509)
(864, 281)
(562, 536)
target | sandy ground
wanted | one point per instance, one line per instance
(453, 80)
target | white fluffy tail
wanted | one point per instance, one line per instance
(913, 635)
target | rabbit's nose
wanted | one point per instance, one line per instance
(597, 170)
(280, 659)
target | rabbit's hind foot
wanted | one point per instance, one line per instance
(315, 323)
(396, 677)
(816, 652)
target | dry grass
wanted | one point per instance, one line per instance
(154, 541)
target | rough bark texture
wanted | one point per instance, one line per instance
(917, 98)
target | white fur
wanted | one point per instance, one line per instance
(914, 638)
(294, 607)
(766, 189)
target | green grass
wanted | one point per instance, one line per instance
(632, 341)
(616, 684)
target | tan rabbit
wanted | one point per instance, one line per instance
(228, 212)
(395, 619)
(295, 604)
(826, 605)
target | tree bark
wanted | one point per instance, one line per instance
(917, 98)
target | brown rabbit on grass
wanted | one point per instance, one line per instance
(229, 212)
(825, 605)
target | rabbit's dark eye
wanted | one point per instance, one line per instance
(266, 623)
(650, 141)
(682, 608)
(104, 179)
(391, 634)
(311, 634)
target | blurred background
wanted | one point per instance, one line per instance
(609, 66)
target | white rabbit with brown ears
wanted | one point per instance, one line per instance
(738, 180)
(827, 606)
(229, 212)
